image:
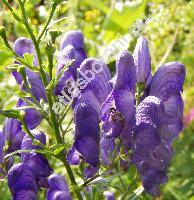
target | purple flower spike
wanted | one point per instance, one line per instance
(35, 161)
(87, 138)
(167, 84)
(2, 144)
(13, 133)
(151, 154)
(118, 111)
(58, 189)
(142, 60)
(20, 180)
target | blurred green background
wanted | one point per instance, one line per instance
(110, 26)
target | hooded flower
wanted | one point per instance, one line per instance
(167, 85)
(142, 61)
(14, 134)
(22, 46)
(86, 114)
(32, 116)
(118, 111)
(87, 137)
(22, 183)
(58, 188)
(72, 47)
(151, 154)
(35, 161)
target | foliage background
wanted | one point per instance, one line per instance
(170, 31)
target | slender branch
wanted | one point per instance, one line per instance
(36, 45)
(16, 17)
(53, 8)
(71, 176)
(50, 101)
(169, 49)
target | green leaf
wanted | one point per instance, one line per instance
(59, 150)
(29, 58)
(12, 113)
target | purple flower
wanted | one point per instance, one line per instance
(22, 183)
(32, 116)
(94, 77)
(109, 195)
(151, 154)
(22, 46)
(72, 47)
(2, 144)
(14, 134)
(35, 161)
(58, 189)
(142, 60)
(118, 111)
(86, 114)
(87, 137)
(167, 85)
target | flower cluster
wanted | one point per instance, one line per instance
(133, 111)
(143, 111)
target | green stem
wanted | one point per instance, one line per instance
(71, 176)
(50, 101)
(36, 45)
(54, 6)
(16, 17)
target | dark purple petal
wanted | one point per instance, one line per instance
(142, 60)
(168, 80)
(25, 195)
(57, 182)
(90, 171)
(73, 156)
(72, 47)
(2, 144)
(22, 46)
(151, 154)
(167, 84)
(125, 72)
(58, 189)
(35, 161)
(36, 85)
(32, 116)
(118, 111)
(97, 75)
(152, 179)
(74, 38)
(13, 133)
(87, 133)
(107, 147)
(25, 45)
(20, 177)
